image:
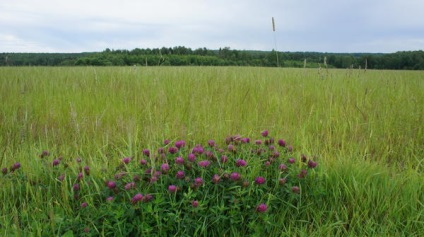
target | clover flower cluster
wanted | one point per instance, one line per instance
(175, 170)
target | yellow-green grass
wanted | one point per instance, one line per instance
(365, 127)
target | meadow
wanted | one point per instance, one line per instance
(364, 129)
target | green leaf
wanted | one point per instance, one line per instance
(68, 234)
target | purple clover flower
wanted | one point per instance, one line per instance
(109, 199)
(209, 154)
(295, 189)
(172, 150)
(129, 186)
(241, 163)
(180, 144)
(137, 198)
(164, 167)
(245, 140)
(87, 170)
(258, 142)
(236, 138)
(282, 167)
(281, 143)
(211, 143)
(16, 166)
(228, 140)
(312, 164)
(179, 160)
(269, 141)
(260, 180)
(84, 205)
(76, 187)
(231, 148)
(224, 159)
(235, 176)
(154, 179)
(146, 152)
(172, 188)
(44, 154)
(80, 176)
(126, 160)
(180, 174)
(225, 175)
(56, 162)
(4, 171)
(147, 198)
(264, 133)
(282, 181)
(204, 163)
(195, 203)
(261, 208)
(143, 162)
(198, 181)
(161, 150)
(111, 184)
(291, 160)
(191, 157)
(198, 149)
(61, 177)
(216, 178)
(166, 142)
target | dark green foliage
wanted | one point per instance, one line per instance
(182, 56)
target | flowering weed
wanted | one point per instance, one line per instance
(170, 193)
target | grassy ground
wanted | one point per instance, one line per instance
(365, 127)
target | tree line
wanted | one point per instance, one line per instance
(183, 56)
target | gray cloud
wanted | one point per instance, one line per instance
(302, 25)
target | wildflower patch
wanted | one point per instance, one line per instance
(182, 190)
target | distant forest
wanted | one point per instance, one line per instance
(182, 56)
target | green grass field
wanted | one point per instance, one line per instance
(364, 127)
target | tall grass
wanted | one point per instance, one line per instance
(376, 115)
(364, 127)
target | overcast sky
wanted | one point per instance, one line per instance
(301, 25)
